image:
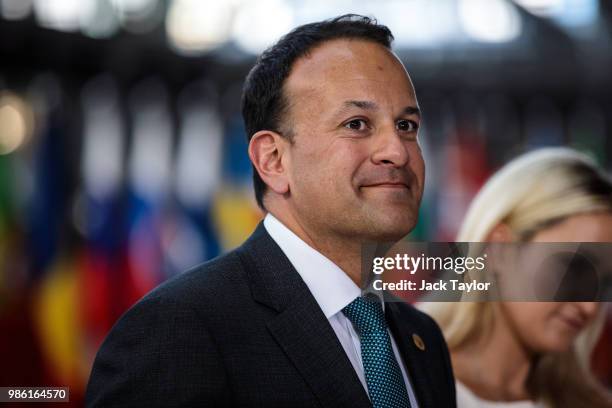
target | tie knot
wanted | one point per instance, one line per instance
(366, 314)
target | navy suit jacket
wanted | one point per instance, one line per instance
(244, 330)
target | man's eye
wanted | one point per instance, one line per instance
(406, 125)
(356, 124)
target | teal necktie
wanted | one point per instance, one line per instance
(384, 379)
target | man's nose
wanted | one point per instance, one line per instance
(390, 149)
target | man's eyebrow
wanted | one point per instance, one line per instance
(412, 110)
(367, 105)
(372, 106)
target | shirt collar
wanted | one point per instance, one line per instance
(330, 286)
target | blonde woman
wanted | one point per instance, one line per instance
(527, 354)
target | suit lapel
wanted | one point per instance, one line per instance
(415, 360)
(311, 344)
(299, 326)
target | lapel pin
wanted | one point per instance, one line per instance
(418, 341)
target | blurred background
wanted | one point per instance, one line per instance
(123, 156)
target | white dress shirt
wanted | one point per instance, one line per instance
(333, 290)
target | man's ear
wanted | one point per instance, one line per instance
(266, 150)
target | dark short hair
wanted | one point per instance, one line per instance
(263, 102)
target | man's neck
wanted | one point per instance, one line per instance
(345, 252)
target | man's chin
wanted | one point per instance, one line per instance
(391, 229)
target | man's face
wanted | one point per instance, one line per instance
(355, 167)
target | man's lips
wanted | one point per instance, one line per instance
(389, 184)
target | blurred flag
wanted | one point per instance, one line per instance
(502, 129)
(54, 306)
(47, 203)
(465, 166)
(6, 209)
(149, 172)
(235, 210)
(192, 237)
(56, 309)
(98, 212)
(543, 124)
(587, 130)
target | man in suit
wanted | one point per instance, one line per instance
(332, 120)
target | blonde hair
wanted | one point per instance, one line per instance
(529, 194)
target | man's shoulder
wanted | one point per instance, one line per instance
(228, 274)
(169, 338)
(207, 281)
(210, 289)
